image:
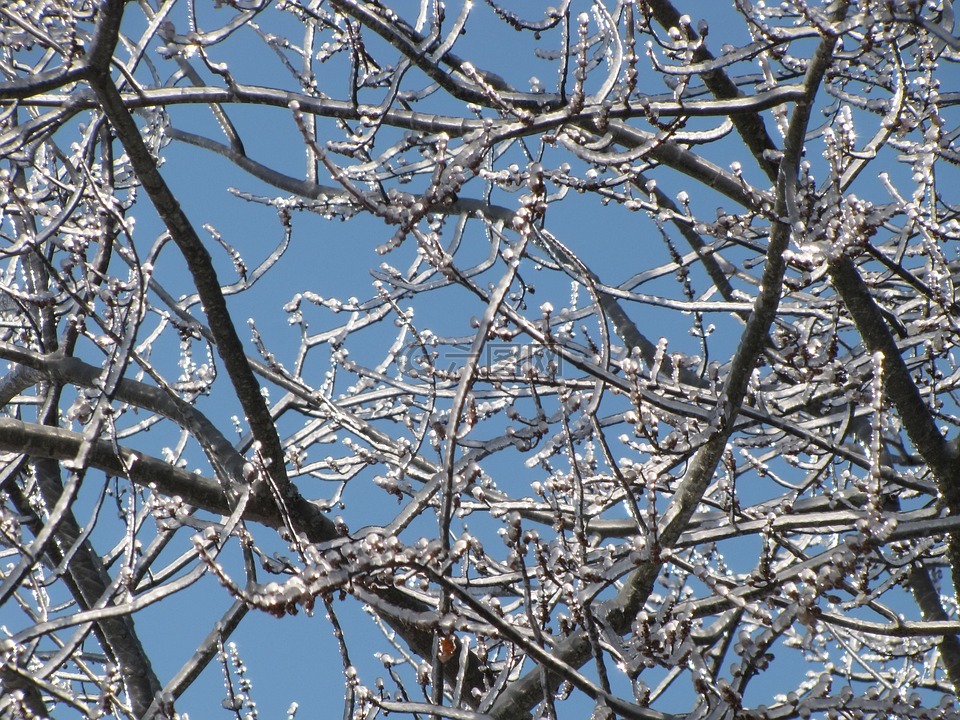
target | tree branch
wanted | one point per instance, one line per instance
(194, 252)
(522, 695)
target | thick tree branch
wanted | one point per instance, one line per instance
(897, 381)
(454, 125)
(91, 585)
(750, 125)
(194, 252)
(24, 88)
(928, 599)
(918, 420)
(39, 441)
(575, 650)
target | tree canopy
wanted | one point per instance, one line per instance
(604, 352)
